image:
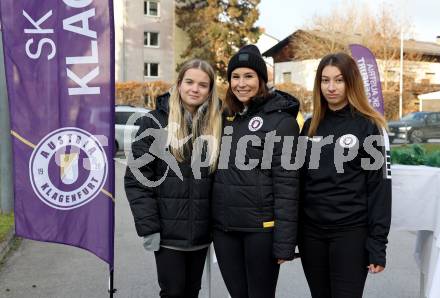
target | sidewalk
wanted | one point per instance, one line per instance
(38, 269)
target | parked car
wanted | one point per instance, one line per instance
(416, 127)
(123, 113)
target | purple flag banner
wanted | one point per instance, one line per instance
(367, 65)
(59, 60)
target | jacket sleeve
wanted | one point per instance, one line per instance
(141, 197)
(379, 204)
(285, 192)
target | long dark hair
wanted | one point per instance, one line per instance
(354, 88)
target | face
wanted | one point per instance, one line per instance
(244, 84)
(333, 87)
(194, 89)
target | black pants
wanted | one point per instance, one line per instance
(180, 272)
(246, 263)
(334, 261)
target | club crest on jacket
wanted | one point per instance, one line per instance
(255, 124)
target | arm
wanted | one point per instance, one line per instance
(379, 205)
(142, 199)
(286, 193)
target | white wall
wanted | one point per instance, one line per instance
(303, 72)
(118, 8)
(264, 43)
(130, 53)
(419, 70)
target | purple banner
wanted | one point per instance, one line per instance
(59, 59)
(370, 74)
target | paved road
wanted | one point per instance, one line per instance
(48, 270)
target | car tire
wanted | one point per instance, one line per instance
(416, 136)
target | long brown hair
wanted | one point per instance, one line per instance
(354, 89)
(206, 122)
(235, 106)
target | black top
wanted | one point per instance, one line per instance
(340, 194)
(263, 198)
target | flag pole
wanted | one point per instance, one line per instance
(6, 179)
(401, 63)
(111, 288)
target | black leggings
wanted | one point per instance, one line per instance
(180, 272)
(246, 263)
(334, 261)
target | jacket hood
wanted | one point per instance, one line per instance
(277, 100)
(282, 101)
(162, 102)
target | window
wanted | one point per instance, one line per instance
(151, 39)
(151, 69)
(433, 119)
(122, 117)
(429, 76)
(390, 75)
(287, 77)
(151, 8)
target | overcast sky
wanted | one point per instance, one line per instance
(282, 17)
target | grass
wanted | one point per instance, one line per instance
(429, 147)
(6, 223)
(14, 245)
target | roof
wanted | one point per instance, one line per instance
(129, 108)
(423, 47)
(271, 52)
(431, 95)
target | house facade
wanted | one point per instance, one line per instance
(290, 69)
(147, 41)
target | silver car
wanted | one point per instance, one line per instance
(123, 126)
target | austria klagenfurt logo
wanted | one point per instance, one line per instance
(68, 168)
(255, 124)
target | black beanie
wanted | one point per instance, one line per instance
(248, 56)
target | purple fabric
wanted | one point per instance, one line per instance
(370, 74)
(59, 58)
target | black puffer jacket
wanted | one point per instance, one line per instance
(179, 210)
(265, 198)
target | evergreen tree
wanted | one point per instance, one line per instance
(217, 29)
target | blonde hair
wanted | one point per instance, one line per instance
(207, 121)
(354, 89)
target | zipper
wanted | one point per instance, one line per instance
(260, 196)
(190, 207)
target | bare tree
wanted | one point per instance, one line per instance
(355, 23)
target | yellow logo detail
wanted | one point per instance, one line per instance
(268, 224)
(230, 118)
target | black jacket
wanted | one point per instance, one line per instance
(265, 198)
(179, 210)
(357, 197)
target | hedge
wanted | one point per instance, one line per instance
(416, 154)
